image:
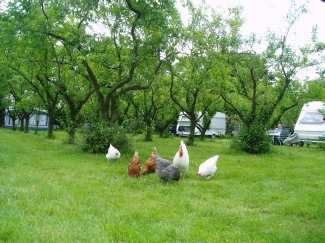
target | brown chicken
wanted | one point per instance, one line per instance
(135, 166)
(150, 164)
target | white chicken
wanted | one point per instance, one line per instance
(182, 159)
(209, 167)
(113, 154)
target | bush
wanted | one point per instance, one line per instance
(98, 138)
(321, 145)
(252, 140)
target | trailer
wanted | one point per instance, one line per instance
(40, 116)
(310, 125)
(217, 126)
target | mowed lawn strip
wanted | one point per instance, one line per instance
(54, 192)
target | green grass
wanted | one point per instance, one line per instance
(54, 192)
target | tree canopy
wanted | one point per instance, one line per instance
(124, 62)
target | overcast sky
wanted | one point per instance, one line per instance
(262, 15)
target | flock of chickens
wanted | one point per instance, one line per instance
(165, 169)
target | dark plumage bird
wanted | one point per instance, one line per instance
(166, 170)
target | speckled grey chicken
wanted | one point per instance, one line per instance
(166, 170)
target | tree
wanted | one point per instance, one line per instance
(193, 87)
(30, 55)
(145, 105)
(22, 101)
(136, 43)
(315, 90)
(206, 120)
(152, 106)
(5, 100)
(76, 92)
(165, 117)
(139, 37)
(42, 84)
(259, 88)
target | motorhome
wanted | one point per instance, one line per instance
(310, 126)
(217, 126)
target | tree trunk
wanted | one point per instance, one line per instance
(26, 117)
(50, 126)
(72, 126)
(161, 133)
(37, 122)
(27, 124)
(22, 125)
(191, 136)
(114, 109)
(14, 128)
(148, 136)
(71, 137)
(190, 140)
(2, 115)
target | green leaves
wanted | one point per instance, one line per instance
(111, 51)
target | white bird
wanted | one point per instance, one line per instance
(113, 154)
(209, 167)
(182, 159)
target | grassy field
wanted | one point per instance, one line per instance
(54, 192)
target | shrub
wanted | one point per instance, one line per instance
(98, 138)
(321, 145)
(253, 140)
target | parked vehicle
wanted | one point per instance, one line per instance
(293, 139)
(39, 120)
(310, 126)
(217, 126)
(88, 126)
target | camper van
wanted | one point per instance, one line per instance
(310, 126)
(217, 126)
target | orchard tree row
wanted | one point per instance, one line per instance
(134, 63)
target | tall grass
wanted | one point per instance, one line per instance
(54, 192)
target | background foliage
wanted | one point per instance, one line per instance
(136, 64)
(98, 138)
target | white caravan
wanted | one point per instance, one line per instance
(311, 124)
(217, 126)
(42, 121)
